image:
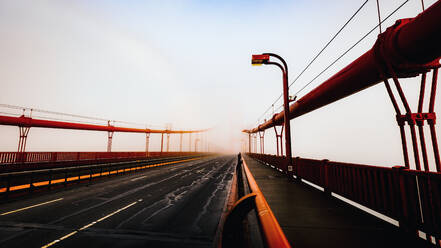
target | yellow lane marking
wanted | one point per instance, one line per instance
(24, 186)
(89, 225)
(57, 181)
(33, 206)
(69, 179)
(58, 240)
(41, 183)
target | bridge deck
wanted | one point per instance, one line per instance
(311, 219)
(167, 206)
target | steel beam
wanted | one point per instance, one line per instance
(411, 46)
(32, 122)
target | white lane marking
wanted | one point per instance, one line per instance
(89, 225)
(33, 206)
(134, 179)
(58, 240)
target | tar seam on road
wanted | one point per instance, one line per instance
(32, 206)
(89, 225)
(135, 179)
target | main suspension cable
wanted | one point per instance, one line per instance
(317, 55)
(343, 54)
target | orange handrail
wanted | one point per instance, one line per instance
(272, 231)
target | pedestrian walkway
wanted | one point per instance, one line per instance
(309, 218)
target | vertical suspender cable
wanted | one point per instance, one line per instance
(379, 16)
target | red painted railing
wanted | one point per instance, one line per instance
(409, 196)
(13, 184)
(37, 157)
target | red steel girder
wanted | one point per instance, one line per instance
(31, 122)
(411, 46)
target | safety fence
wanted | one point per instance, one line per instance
(35, 157)
(17, 183)
(412, 197)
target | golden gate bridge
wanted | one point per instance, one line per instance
(200, 198)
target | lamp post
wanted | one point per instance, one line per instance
(265, 59)
(196, 144)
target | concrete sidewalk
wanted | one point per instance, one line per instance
(309, 218)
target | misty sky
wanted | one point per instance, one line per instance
(188, 63)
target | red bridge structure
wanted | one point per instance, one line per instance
(410, 194)
(25, 123)
(207, 200)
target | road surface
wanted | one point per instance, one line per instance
(170, 206)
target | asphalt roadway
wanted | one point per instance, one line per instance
(169, 206)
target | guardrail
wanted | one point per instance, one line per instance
(409, 196)
(48, 160)
(34, 157)
(252, 198)
(274, 235)
(29, 181)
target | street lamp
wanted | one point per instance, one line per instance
(264, 58)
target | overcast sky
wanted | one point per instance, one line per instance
(188, 63)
